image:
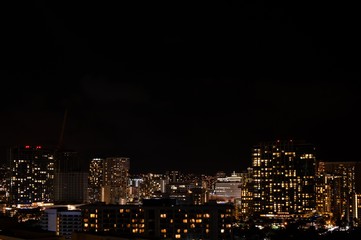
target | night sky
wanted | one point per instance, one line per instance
(182, 86)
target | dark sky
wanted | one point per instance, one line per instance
(180, 85)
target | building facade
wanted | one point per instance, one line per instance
(109, 180)
(61, 221)
(283, 178)
(336, 189)
(95, 180)
(116, 176)
(161, 219)
(246, 207)
(32, 175)
(70, 179)
(228, 188)
(72, 187)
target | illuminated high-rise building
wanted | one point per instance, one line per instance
(95, 180)
(32, 175)
(336, 189)
(283, 178)
(134, 189)
(4, 183)
(115, 180)
(153, 185)
(357, 207)
(246, 194)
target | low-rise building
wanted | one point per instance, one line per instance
(161, 218)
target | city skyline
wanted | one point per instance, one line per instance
(195, 85)
(285, 181)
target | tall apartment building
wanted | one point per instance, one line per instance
(108, 180)
(153, 185)
(336, 189)
(71, 179)
(283, 178)
(246, 194)
(4, 183)
(116, 176)
(71, 187)
(134, 189)
(357, 207)
(95, 180)
(32, 174)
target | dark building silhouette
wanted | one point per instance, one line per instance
(71, 178)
